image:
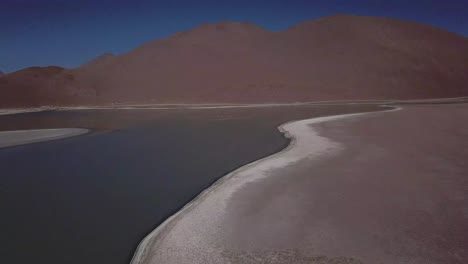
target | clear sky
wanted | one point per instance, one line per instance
(70, 32)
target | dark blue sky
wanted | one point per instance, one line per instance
(70, 32)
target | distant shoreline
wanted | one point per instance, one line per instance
(181, 106)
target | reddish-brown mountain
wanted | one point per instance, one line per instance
(332, 58)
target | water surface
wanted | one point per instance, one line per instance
(92, 198)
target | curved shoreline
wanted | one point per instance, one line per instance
(288, 129)
(22, 137)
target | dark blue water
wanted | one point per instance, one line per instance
(92, 198)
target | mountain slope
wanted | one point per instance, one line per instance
(37, 86)
(333, 58)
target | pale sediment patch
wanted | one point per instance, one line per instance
(194, 234)
(14, 111)
(21, 137)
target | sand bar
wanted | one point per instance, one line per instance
(21, 137)
(13, 111)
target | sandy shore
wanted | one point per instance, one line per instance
(21, 137)
(369, 188)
